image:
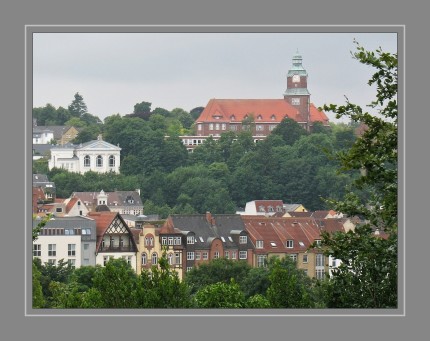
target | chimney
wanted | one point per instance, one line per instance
(138, 191)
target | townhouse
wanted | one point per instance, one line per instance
(288, 237)
(71, 239)
(199, 238)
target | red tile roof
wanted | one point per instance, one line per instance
(279, 230)
(70, 204)
(225, 108)
(316, 115)
(270, 110)
(103, 221)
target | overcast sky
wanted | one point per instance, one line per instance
(114, 71)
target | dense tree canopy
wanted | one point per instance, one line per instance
(367, 277)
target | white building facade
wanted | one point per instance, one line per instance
(97, 156)
(72, 240)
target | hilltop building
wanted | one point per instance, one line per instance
(260, 116)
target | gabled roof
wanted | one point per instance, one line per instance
(70, 204)
(103, 222)
(97, 145)
(271, 110)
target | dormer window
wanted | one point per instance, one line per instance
(232, 118)
(259, 117)
(273, 117)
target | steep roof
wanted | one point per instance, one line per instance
(271, 110)
(103, 222)
(264, 110)
(316, 115)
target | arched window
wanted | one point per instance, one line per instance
(154, 258)
(143, 258)
(87, 161)
(99, 161)
(111, 161)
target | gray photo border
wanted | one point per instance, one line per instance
(14, 16)
(31, 29)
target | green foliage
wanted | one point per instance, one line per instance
(116, 282)
(289, 130)
(256, 282)
(367, 277)
(39, 226)
(38, 299)
(50, 116)
(216, 270)
(52, 273)
(88, 133)
(220, 295)
(161, 288)
(75, 122)
(257, 301)
(289, 287)
(78, 107)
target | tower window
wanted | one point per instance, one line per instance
(295, 101)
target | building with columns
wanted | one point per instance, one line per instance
(97, 155)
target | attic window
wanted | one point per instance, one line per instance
(259, 117)
(301, 244)
(223, 239)
(261, 209)
(229, 238)
(201, 239)
(273, 244)
(273, 117)
(232, 118)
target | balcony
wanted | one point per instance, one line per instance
(126, 248)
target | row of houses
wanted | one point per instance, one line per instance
(187, 240)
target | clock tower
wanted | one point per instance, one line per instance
(297, 93)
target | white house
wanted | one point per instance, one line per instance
(42, 135)
(97, 155)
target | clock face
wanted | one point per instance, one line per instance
(296, 78)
